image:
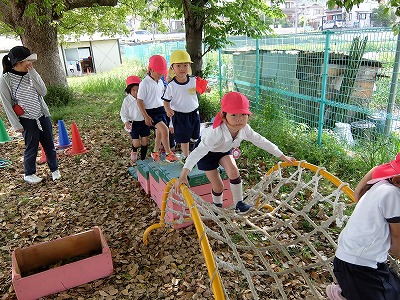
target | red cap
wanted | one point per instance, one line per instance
(386, 171)
(158, 64)
(233, 103)
(132, 80)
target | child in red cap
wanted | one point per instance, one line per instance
(151, 89)
(372, 231)
(215, 148)
(134, 120)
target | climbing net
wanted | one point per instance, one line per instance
(283, 249)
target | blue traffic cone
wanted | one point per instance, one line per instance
(63, 139)
(3, 133)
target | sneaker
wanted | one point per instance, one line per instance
(183, 159)
(133, 156)
(32, 179)
(242, 207)
(218, 204)
(56, 175)
(155, 156)
(171, 157)
(334, 292)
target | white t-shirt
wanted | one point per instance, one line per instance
(220, 140)
(151, 91)
(365, 241)
(182, 96)
(130, 110)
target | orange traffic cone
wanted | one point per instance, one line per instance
(77, 145)
(42, 158)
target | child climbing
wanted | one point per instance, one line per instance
(229, 129)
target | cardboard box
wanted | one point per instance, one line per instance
(39, 270)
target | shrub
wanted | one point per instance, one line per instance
(58, 95)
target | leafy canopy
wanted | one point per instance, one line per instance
(348, 5)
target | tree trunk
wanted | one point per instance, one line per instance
(194, 24)
(43, 41)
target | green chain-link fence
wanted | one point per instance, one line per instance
(344, 80)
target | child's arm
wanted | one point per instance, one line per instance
(183, 178)
(168, 110)
(147, 119)
(288, 159)
(361, 184)
(395, 239)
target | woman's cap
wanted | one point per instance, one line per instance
(132, 80)
(158, 64)
(21, 53)
(386, 171)
(232, 103)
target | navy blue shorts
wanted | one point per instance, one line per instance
(158, 115)
(186, 126)
(211, 160)
(139, 129)
(365, 283)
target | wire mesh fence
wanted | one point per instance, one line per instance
(344, 80)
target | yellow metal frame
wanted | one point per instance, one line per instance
(216, 283)
(215, 278)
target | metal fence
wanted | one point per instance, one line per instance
(344, 80)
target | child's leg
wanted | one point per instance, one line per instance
(157, 141)
(185, 149)
(162, 130)
(135, 146)
(231, 169)
(217, 186)
(144, 141)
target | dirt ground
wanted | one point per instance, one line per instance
(97, 190)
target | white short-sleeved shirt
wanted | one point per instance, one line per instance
(130, 110)
(151, 91)
(365, 241)
(182, 96)
(219, 139)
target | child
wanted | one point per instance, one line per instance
(371, 232)
(181, 102)
(151, 89)
(229, 129)
(134, 120)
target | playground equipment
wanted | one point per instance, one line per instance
(283, 249)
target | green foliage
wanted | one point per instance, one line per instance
(223, 18)
(58, 95)
(209, 106)
(383, 16)
(348, 5)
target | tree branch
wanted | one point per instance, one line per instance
(71, 4)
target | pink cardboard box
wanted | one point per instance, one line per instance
(145, 183)
(90, 259)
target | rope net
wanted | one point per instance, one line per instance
(283, 248)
